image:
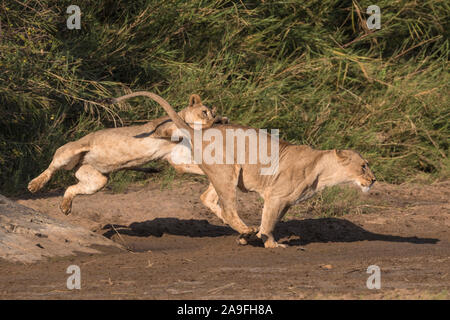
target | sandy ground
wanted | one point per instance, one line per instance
(177, 249)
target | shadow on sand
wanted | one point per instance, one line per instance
(304, 231)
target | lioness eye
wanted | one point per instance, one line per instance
(205, 113)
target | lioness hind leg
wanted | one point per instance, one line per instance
(66, 157)
(90, 181)
(210, 199)
(39, 182)
(273, 211)
(227, 196)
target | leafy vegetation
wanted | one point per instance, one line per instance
(310, 68)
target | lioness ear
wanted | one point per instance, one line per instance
(194, 99)
(340, 154)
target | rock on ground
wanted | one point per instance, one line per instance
(28, 236)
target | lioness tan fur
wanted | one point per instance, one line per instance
(302, 171)
(102, 152)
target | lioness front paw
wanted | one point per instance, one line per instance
(66, 207)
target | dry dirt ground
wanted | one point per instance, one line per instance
(177, 249)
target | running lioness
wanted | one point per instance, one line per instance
(301, 172)
(102, 152)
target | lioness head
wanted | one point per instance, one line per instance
(356, 169)
(196, 112)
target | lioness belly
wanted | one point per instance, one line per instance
(124, 152)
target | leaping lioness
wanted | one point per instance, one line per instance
(302, 171)
(104, 151)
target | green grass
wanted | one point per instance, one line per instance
(309, 68)
(120, 181)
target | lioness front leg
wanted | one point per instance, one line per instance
(273, 211)
(90, 181)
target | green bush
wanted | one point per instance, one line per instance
(310, 68)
